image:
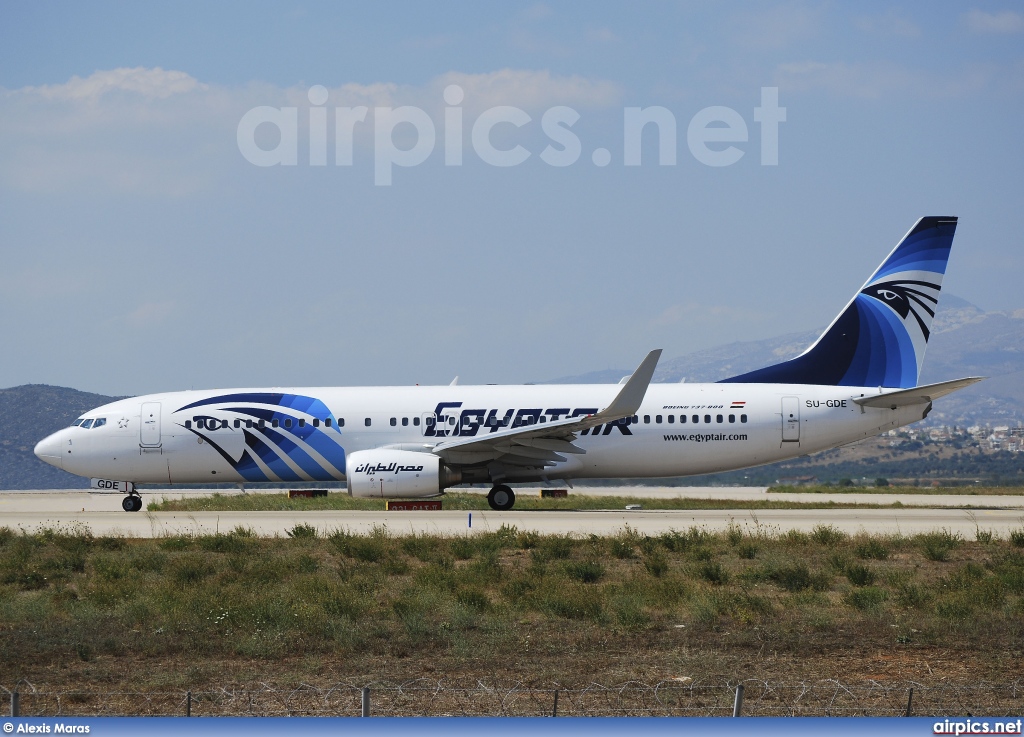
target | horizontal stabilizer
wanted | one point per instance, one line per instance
(917, 395)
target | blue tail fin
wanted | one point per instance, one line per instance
(881, 336)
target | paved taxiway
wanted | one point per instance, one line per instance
(102, 514)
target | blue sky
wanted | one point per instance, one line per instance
(143, 252)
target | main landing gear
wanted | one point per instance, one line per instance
(501, 498)
(132, 502)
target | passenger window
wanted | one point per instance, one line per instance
(248, 424)
(718, 418)
(394, 422)
(682, 419)
(238, 424)
(671, 419)
(695, 419)
(636, 419)
(86, 424)
(732, 418)
(367, 422)
(302, 423)
(288, 423)
(263, 424)
(405, 422)
(188, 424)
(743, 418)
(416, 421)
(327, 422)
(316, 422)
(224, 424)
(707, 419)
(657, 418)
(647, 419)
(277, 423)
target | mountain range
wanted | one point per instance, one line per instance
(966, 341)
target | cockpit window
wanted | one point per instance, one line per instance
(77, 422)
(100, 422)
(86, 424)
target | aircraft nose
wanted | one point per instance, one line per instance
(48, 449)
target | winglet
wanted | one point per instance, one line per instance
(631, 396)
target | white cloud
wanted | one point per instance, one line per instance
(151, 83)
(777, 27)
(889, 24)
(150, 313)
(1007, 21)
(878, 80)
(163, 132)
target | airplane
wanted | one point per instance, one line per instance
(857, 380)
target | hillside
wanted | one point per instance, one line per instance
(966, 341)
(28, 414)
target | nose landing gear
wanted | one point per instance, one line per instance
(132, 502)
(501, 498)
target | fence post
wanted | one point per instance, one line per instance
(15, 704)
(188, 704)
(737, 705)
(366, 701)
(910, 700)
(554, 710)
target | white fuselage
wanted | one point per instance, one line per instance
(679, 430)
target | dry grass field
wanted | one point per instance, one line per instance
(104, 613)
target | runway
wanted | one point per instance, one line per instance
(102, 515)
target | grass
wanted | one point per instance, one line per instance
(967, 490)
(555, 606)
(218, 502)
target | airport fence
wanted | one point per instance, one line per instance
(438, 698)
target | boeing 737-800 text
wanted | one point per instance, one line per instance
(857, 380)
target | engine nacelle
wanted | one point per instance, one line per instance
(395, 474)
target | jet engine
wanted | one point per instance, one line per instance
(394, 474)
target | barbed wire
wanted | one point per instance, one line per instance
(425, 697)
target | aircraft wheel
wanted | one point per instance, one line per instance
(131, 503)
(501, 498)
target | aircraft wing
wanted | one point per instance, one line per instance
(541, 444)
(917, 395)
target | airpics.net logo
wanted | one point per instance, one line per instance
(714, 135)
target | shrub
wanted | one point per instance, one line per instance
(557, 547)
(867, 598)
(622, 548)
(795, 537)
(587, 571)
(1017, 538)
(859, 574)
(462, 548)
(528, 540)
(747, 551)
(796, 577)
(827, 535)
(303, 531)
(871, 549)
(734, 534)
(656, 564)
(937, 546)
(191, 568)
(714, 573)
